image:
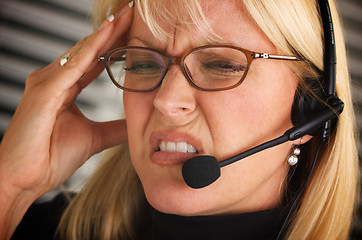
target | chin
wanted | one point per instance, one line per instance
(175, 197)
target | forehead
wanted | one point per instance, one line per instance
(222, 22)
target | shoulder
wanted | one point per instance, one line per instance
(42, 218)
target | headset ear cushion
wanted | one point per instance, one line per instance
(305, 106)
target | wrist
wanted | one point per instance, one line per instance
(14, 203)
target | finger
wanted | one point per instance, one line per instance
(122, 22)
(86, 59)
(79, 62)
(49, 96)
(123, 17)
(108, 134)
(49, 70)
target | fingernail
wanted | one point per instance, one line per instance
(106, 22)
(130, 5)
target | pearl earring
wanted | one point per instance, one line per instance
(293, 159)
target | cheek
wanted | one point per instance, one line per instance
(270, 92)
(257, 111)
(138, 108)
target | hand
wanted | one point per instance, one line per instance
(48, 137)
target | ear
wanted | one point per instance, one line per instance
(302, 140)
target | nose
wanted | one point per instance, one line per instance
(175, 98)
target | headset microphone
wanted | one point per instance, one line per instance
(201, 171)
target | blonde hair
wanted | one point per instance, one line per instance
(112, 203)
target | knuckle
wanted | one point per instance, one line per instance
(35, 73)
(74, 63)
(84, 40)
(77, 62)
(34, 78)
(81, 43)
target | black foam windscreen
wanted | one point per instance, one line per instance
(201, 172)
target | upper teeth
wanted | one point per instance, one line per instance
(177, 147)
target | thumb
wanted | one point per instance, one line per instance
(108, 134)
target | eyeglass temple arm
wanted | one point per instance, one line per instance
(102, 58)
(270, 56)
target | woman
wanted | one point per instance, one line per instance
(182, 112)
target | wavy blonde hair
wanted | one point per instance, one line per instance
(111, 205)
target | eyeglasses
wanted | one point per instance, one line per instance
(207, 68)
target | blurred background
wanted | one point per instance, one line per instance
(34, 33)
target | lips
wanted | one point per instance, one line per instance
(170, 148)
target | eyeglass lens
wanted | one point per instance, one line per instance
(207, 68)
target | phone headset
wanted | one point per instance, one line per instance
(306, 105)
(313, 113)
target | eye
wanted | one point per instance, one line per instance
(224, 67)
(142, 67)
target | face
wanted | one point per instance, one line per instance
(221, 124)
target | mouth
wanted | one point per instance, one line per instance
(170, 148)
